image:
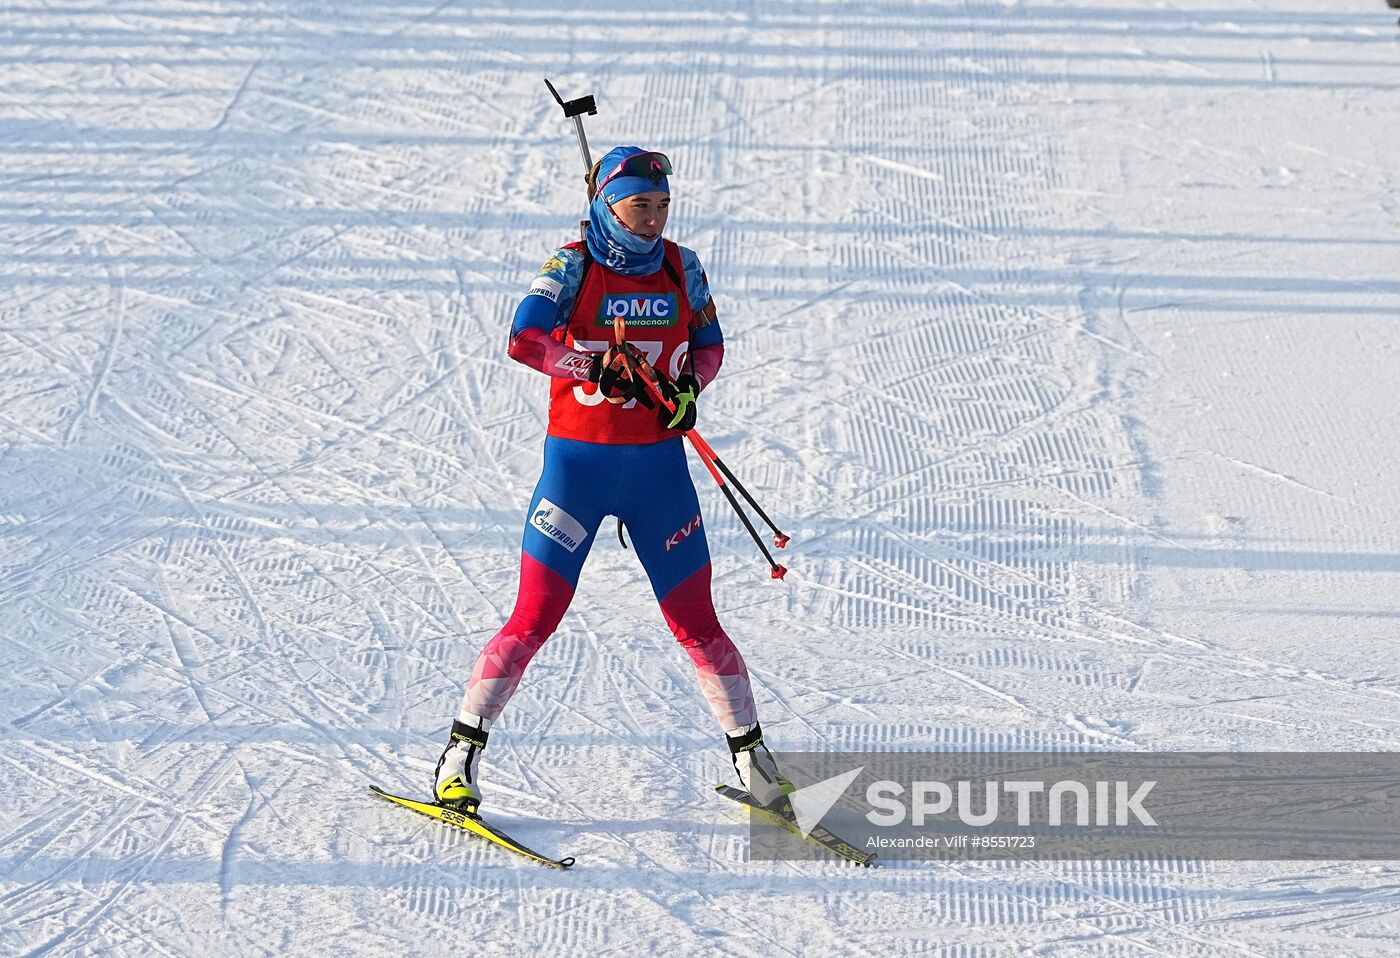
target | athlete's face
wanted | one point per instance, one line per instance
(645, 213)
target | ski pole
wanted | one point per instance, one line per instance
(780, 539)
(644, 371)
(711, 461)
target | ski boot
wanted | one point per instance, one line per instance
(757, 769)
(454, 784)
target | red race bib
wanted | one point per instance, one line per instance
(657, 313)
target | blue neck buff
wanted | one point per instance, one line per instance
(611, 243)
(617, 247)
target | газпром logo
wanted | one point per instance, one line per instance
(558, 525)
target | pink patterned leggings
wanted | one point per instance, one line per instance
(540, 605)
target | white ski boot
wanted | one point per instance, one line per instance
(454, 783)
(757, 769)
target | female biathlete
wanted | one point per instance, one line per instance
(612, 450)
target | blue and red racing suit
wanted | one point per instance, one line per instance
(604, 459)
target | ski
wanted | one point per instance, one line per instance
(819, 835)
(473, 824)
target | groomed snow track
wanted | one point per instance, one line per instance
(1061, 339)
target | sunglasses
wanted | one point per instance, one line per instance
(649, 166)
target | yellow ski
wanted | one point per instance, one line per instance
(783, 817)
(473, 824)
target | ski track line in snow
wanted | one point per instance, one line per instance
(1278, 477)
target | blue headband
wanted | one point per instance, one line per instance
(625, 186)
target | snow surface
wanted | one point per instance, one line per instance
(1062, 338)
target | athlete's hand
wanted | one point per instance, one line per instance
(682, 393)
(613, 374)
(600, 363)
(608, 370)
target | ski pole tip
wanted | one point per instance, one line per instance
(778, 571)
(781, 540)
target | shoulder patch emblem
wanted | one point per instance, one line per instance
(546, 287)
